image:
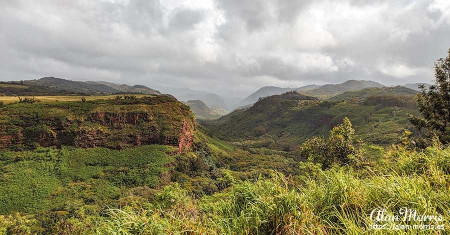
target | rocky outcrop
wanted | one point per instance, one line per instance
(186, 137)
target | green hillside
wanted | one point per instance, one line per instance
(59, 86)
(367, 92)
(123, 88)
(283, 121)
(330, 90)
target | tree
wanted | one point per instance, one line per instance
(335, 149)
(434, 104)
(341, 141)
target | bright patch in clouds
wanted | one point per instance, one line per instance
(398, 70)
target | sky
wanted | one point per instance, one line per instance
(228, 47)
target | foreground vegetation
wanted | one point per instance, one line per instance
(338, 199)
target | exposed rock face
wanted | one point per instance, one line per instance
(90, 139)
(186, 137)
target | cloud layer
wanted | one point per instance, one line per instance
(231, 47)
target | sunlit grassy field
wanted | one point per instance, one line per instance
(15, 99)
(12, 85)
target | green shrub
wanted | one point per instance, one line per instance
(335, 149)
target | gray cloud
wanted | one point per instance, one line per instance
(185, 19)
(226, 46)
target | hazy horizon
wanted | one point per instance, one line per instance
(227, 47)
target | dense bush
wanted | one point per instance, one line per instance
(335, 149)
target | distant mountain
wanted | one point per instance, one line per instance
(307, 88)
(263, 92)
(325, 91)
(203, 112)
(72, 86)
(214, 101)
(59, 86)
(415, 86)
(367, 92)
(20, 88)
(210, 99)
(138, 89)
(330, 90)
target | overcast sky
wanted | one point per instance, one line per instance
(230, 47)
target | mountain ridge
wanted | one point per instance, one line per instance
(330, 90)
(61, 86)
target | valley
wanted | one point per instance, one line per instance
(144, 163)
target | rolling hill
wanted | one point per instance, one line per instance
(123, 88)
(284, 121)
(367, 92)
(59, 86)
(324, 91)
(330, 90)
(307, 88)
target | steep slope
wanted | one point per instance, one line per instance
(284, 121)
(330, 90)
(117, 124)
(202, 111)
(365, 93)
(123, 88)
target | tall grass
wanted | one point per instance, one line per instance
(334, 201)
